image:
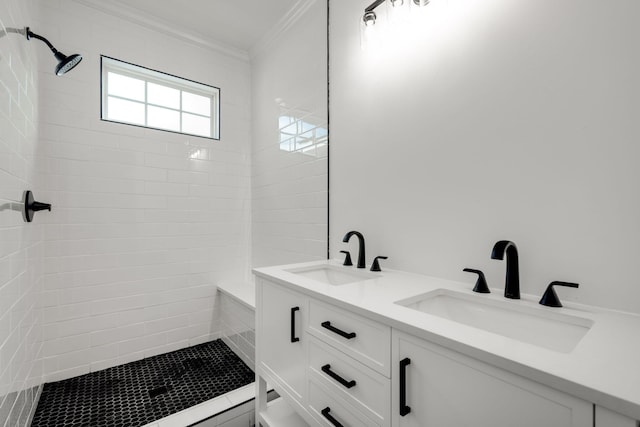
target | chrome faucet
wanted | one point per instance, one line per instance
(512, 281)
(361, 258)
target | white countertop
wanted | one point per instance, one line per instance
(604, 368)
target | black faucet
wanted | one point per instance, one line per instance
(550, 298)
(512, 281)
(361, 262)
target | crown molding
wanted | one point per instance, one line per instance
(287, 21)
(126, 12)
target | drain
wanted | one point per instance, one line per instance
(154, 392)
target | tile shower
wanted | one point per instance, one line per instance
(144, 223)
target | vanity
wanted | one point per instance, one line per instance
(348, 347)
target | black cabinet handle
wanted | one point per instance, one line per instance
(293, 324)
(404, 409)
(327, 415)
(347, 335)
(327, 370)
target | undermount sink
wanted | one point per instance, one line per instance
(534, 325)
(332, 275)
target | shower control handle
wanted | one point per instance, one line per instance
(39, 206)
(31, 206)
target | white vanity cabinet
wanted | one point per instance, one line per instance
(281, 339)
(334, 365)
(434, 386)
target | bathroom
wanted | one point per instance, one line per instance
(466, 123)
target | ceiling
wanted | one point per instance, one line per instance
(239, 24)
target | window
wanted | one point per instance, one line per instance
(140, 96)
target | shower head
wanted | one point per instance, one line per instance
(65, 63)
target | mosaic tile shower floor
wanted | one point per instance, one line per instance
(140, 392)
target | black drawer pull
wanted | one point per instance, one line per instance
(347, 335)
(327, 370)
(293, 324)
(404, 409)
(327, 415)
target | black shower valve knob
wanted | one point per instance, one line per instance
(31, 206)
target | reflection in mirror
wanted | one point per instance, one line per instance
(303, 132)
(289, 214)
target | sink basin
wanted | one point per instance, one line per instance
(534, 325)
(332, 275)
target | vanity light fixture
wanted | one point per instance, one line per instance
(65, 63)
(396, 13)
(370, 17)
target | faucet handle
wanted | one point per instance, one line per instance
(481, 284)
(376, 265)
(347, 258)
(550, 298)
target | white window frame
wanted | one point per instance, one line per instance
(108, 64)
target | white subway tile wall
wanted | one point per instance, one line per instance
(21, 244)
(144, 222)
(289, 157)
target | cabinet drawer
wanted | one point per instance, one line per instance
(350, 381)
(365, 340)
(329, 413)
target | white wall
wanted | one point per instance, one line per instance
(501, 119)
(144, 222)
(21, 246)
(289, 188)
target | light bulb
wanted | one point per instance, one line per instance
(369, 19)
(368, 30)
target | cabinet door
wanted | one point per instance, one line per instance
(443, 388)
(282, 345)
(607, 418)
